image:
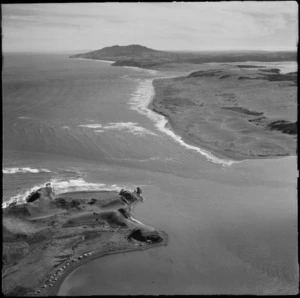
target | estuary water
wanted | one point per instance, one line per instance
(83, 124)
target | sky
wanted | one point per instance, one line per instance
(163, 26)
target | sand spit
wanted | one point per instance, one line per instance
(234, 112)
(141, 101)
(52, 235)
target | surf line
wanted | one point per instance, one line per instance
(141, 101)
(143, 107)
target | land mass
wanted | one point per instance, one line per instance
(140, 56)
(50, 235)
(233, 111)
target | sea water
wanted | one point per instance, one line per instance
(84, 125)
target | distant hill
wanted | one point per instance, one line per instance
(141, 56)
(119, 51)
(131, 50)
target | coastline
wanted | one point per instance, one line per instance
(169, 129)
(144, 107)
(187, 138)
(56, 288)
(73, 229)
(165, 124)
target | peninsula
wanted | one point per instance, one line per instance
(141, 56)
(234, 110)
(50, 235)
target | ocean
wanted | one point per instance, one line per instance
(84, 125)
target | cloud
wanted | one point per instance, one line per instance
(174, 26)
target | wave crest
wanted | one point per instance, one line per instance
(131, 127)
(24, 170)
(62, 186)
(140, 101)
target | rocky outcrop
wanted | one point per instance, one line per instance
(145, 236)
(41, 192)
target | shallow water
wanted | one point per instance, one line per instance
(84, 125)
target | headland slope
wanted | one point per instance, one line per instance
(50, 235)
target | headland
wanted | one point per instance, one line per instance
(50, 235)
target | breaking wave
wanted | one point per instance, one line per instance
(131, 127)
(24, 170)
(91, 125)
(62, 186)
(141, 99)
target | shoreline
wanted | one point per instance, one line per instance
(71, 236)
(166, 126)
(214, 154)
(56, 288)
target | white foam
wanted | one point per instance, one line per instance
(24, 117)
(91, 125)
(79, 184)
(21, 198)
(140, 101)
(97, 60)
(131, 127)
(62, 186)
(24, 170)
(150, 71)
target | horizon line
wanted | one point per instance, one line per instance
(190, 51)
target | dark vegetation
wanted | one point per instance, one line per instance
(284, 126)
(127, 195)
(16, 210)
(92, 201)
(243, 110)
(249, 66)
(224, 77)
(112, 219)
(282, 77)
(18, 291)
(33, 197)
(292, 76)
(64, 204)
(204, 73)
(124, 212)
(272, 70)
(145, 236)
